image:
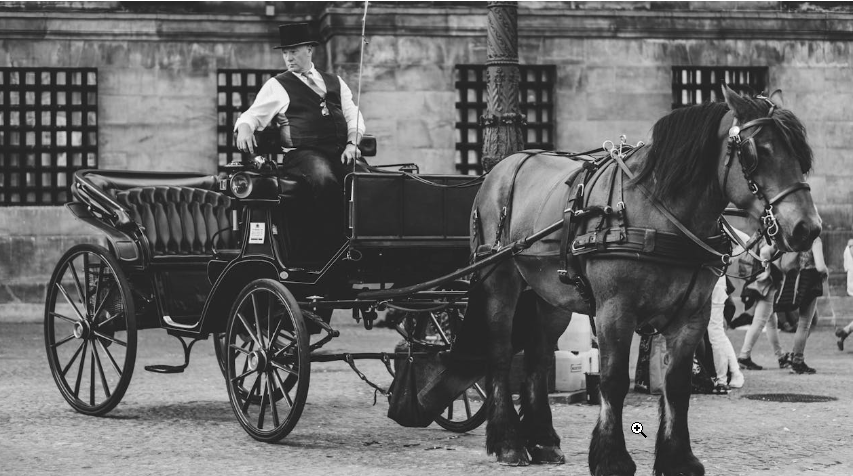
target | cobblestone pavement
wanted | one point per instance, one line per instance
(182, 424)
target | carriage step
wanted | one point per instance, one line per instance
(165, 369)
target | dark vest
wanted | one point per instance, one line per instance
(308, 126)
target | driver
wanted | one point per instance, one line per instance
(318, 123)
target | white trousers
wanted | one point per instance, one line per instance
(725, 359)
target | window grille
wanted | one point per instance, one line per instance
(698, 84)
(536, 102)
(48, 130)
(236, 90)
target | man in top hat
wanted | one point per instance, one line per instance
(316, 119)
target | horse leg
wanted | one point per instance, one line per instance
(501, 293)
(673, 455)
(607, 453)
(544, 325)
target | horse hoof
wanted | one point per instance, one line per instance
(513, 458)
(546, 455)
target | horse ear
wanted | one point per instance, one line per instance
(776, 98)
(733, 99)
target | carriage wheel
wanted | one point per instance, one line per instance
(468, 411)
(268, 360)
(90, 329)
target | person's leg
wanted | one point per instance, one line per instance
(807, 314)
(763, 310)
(719, 342)
(842, 334)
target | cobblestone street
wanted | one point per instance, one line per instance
(183, 424)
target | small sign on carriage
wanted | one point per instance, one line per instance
(257, 231)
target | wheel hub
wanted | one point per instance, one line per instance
(81, 329)
(257, 360)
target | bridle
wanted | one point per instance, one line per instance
(747, 154)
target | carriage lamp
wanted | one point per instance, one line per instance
(241, 185)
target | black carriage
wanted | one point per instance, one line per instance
(227, 257)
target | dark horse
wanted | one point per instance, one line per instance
(686, 169)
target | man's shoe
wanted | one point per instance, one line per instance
(748, 364)
(736, 380)
(841, 334)
(785, 360)
(801, 368)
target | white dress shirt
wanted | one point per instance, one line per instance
(272, 102)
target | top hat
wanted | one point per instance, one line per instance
(295, 34)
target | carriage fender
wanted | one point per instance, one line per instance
(233, 279)
(123, 245)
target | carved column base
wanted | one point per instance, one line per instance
(501, 140)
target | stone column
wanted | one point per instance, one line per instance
(502, 122)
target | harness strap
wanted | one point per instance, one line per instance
(791, 189)
(724, 258)
(506, 210)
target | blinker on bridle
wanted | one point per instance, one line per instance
(747, 154)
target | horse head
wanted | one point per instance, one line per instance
(769, 143)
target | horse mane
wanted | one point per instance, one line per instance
(684, 149)
(685, 145)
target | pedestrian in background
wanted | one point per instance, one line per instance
(811, 274)
(765, 286)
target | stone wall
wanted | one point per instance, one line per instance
(157, 83)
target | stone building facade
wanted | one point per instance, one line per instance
(157, 82)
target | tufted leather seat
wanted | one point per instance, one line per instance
(180, 220)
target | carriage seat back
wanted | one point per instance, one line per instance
(180, 220)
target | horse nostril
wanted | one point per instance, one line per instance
(806, 231)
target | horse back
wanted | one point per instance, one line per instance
(532, 186)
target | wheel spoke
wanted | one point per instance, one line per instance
(86, 284)
(64, 318)
(450, 411)
(57, 344)
(273, 408)
(243, 375)
(438, 328)
(258, 320)
(109, 319)
(92, 376)
(283, 349)
(285, 369)
(98, 287)
(270, 335)
(283, 389)
(263, 406)
(240, 349)
(68, 298)
(479, 390)
(467, 404)
(248, 329)
(73, 358)
(101, 371)
(80, 370)
(111, 339)
(76, 280)
(110, 355)
(248, 401)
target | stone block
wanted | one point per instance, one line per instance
(836, 216)
(599, 79)
(29, 292)
(799, 79)
(837, 53)
(644, 79)
(562, 51)
(838, 190)
(376, 78)
(40, 221)
(569, 78)
(803, 53)
(5, 258)
(418, 50)
(414, 133)
(6, 295)
(628, 106)
(436, 160)
(382, 50)
(396, 104)
(48, 251)
(835, 162)
(23, 248)
(113, 160)
(569, 106)
(427, 77)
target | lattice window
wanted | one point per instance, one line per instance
(236, 90)
(48, 130)
(698, 84)
(536, 101)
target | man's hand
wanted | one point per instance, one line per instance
(351, 152)
(246, 138)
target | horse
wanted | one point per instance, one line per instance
(676, 186)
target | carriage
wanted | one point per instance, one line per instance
(230, 258)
